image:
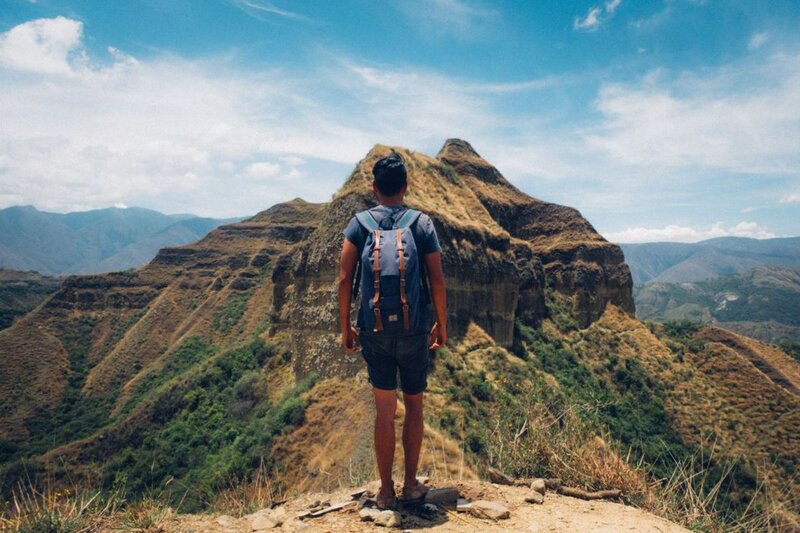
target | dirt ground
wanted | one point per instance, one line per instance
(558, 513)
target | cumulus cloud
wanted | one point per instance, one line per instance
(45, 46)
(676, 233)
(596, 16)
(743, 118)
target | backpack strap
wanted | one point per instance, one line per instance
(402, 267)
(367, 220)
(409, 217)
(376, 271)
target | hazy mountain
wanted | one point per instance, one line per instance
(99, 240)
(763, 302)
(220, 359)
(675, 262)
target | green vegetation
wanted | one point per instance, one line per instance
(218, 428)
(233, 311)
(76, 416)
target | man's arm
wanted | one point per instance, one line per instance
(433, 263)
(347, 267)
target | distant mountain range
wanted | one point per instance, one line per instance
(89, 242)
(750, 286)
(676, 262)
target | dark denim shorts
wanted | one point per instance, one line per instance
(388, 355)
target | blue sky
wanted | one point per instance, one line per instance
(658, 120)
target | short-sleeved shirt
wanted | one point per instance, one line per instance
(425, 239)
(424, 233)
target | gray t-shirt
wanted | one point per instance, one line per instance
(424, 233)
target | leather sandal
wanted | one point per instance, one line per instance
(414, 493)
(386, 501)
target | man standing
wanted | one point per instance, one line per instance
(398, 252)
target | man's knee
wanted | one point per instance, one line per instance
(385, 404)
(413, 403)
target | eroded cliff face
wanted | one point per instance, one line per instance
(498, 247)
(577, 260)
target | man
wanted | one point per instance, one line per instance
(387, 353)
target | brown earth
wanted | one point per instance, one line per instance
(558, 513)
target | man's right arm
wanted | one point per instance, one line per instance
(433, 264)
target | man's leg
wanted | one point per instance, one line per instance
(385, 408)
(412, 435)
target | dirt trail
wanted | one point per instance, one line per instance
(558, 513)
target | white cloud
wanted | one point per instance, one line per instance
(596, 16)
(262, 170)
(45, 46)
(791, 198)
(742, 118)
(675, 233)
(590, 22)
(757, 40)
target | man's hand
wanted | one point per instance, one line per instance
(350, 340)
(438, 336)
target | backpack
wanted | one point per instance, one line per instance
(394, 292)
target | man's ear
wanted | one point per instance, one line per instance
(404, 189)
(375, 187)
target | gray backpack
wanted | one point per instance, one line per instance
(392, 277)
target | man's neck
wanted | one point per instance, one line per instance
(389, 202)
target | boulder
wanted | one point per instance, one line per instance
(447, 496)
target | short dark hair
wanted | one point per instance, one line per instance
(390, 174)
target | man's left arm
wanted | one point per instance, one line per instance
(347, 268)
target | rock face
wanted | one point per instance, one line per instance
(499, 246)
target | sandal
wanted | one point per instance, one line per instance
(386, 501)
(414, 493)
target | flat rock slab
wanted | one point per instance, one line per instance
(489, 510)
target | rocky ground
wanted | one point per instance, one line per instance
(508, 508)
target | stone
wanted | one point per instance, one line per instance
(226, 520)
(447, 496)
(388, 518)
(489, 510)
(262, 521)
(498, 477)
(535, 497)
(269, 518)
(539, 485)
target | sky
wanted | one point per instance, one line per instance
(664, 120)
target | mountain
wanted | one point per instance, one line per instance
(218, 363)
(22, 291)
(763, 302)
(673, 262)
(99, 240)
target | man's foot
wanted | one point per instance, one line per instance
(414, 492)
(386, 499)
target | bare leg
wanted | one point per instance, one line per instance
(412, 435)
(385, 408)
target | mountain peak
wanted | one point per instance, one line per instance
(457, 149)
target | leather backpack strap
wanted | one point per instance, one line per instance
(376, 272)
(402, 267)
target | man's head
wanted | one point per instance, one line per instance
(390, 175)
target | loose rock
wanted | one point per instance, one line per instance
(447, 496)
(535, 497)
(489, 509)
(539, 485)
